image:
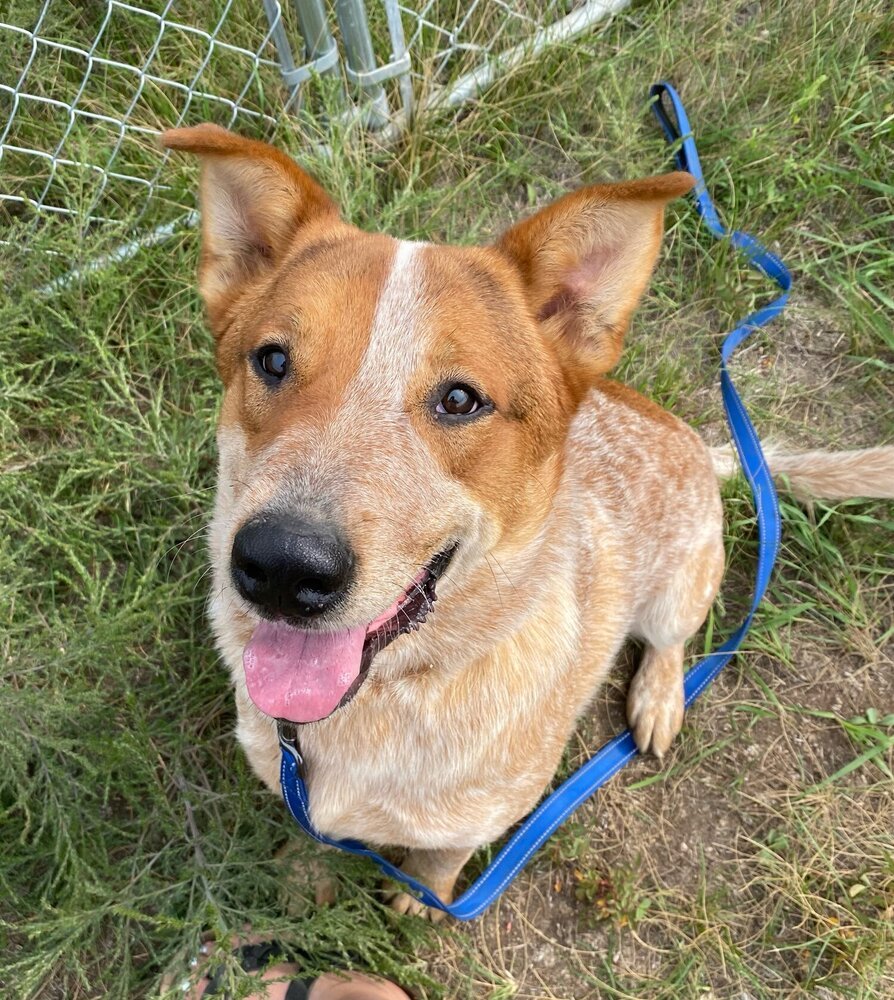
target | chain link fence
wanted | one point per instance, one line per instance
(86, 85)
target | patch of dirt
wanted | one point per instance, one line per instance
(819, 395)
(569, 922)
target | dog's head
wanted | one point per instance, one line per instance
(391, 409)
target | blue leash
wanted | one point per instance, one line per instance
(556, 807)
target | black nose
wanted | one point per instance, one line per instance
(289, 567)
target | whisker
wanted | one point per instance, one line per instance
(177, 547)
(507, 577)
(206, 572)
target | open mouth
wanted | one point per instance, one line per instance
(304, 675)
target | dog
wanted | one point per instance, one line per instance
(404, 422)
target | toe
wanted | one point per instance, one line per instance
(404, 903)
(654, 717)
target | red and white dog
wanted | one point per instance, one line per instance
(404, 419)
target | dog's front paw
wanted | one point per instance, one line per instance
(437, 868)
(303, 875)
(655, 709)
(403, 902)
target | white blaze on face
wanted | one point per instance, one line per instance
(302, 675)
(397, 335)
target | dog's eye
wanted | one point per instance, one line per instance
(460, 401)
(272, 362)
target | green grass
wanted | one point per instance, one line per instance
(129, 821)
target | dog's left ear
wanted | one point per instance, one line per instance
(586, 260)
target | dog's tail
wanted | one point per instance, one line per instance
(826, 475)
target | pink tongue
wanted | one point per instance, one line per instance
(301, 676)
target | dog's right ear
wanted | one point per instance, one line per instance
(254, 198)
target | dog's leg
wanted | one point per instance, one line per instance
(439, 871)
(303, 870)
(655, 699)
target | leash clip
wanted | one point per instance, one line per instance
(288, 740)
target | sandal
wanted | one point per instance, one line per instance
(272, 963)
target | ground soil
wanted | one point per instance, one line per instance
(700, 827)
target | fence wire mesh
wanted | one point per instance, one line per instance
(86, 85)
(458, 35)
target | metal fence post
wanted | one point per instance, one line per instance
(291, 74)
(320, 48)
(360, 65)
(400, 56)
(321, 52)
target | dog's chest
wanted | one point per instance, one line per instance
(429, 780)
(439, 763)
